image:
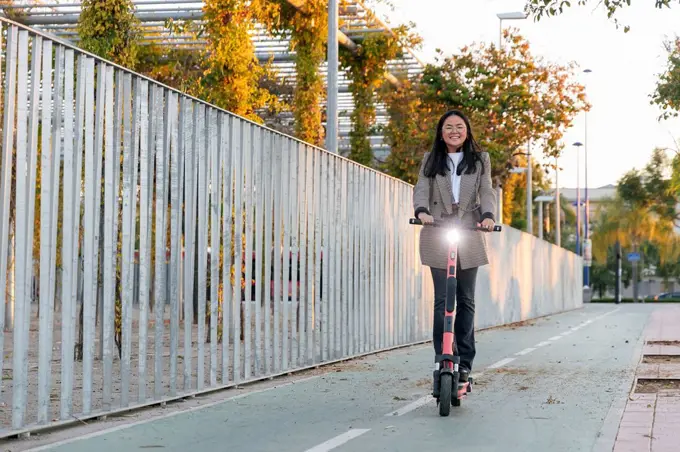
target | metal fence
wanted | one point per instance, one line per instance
(104, 165)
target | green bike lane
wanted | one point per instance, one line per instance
(554, 384)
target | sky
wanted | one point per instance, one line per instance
(623, 128)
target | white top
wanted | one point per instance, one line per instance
(455, 159)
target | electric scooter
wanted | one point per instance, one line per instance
(449, 360)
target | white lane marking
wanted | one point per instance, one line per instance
(555, 338)
(525, 351)
(339, 440)
(424, 400)
(164, 416)
(500, 363)
(412, 406)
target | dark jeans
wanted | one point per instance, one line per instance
(464, 325)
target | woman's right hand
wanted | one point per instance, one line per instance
(425, 218)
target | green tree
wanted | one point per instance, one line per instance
(548, 8)
(109, 29)
(654, 187)
(667, 93)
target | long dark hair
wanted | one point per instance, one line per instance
(438, 160)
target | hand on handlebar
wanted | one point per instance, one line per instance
(425, 218)
(487, 223)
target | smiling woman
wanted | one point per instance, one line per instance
(455, 181)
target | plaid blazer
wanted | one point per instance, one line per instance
(477, 202)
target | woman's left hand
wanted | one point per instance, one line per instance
(488, 224)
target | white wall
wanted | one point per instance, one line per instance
(526, 278)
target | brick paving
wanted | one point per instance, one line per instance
(651, 422)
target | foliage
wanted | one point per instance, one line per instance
(407, 133)
(511, 98)
(231, 79)
(365, 68)
(176, 67)
(308, 28)
(653, 188)
(667, 93)
(109, 29)
(548, 8)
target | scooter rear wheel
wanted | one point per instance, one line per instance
(445, 391)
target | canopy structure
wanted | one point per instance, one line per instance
(156, 16)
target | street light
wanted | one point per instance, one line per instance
(578, 144)
(586, 268)
(517, 15)
(332, 79)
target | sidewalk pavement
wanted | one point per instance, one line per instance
(651, 418)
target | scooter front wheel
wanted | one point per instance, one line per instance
(445, 391)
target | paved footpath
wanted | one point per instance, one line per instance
(651, 420)
(555, 384)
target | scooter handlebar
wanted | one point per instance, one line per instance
(416, 221)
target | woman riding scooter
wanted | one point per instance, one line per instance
(455, 180)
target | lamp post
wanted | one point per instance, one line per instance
(332, 76)
(578, 144)
(516, 15)
(586, 268)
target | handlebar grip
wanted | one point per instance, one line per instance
(416, 221)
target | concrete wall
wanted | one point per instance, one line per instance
(527, 278)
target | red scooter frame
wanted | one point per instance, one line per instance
(449, 359)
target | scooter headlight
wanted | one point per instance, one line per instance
(453, 236)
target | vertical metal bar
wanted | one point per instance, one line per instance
(145, 142)
(190, 149)
(77, 186)
(227, 290)
(214, 136)
(373, 262)
(269, 167)
(366, 256)
(47, 210)
(350, 287)
(295, 250)
(276, 248)
(160, 114)
(99, 147)
(109, 274)
(332, 76)
(343, 195)
(382, 296)
(327, 281)
(237, 149)
(6, 176)
(339, 192)
(68, 302)
(130, 147)
(317, 261)
(310, 255)
(285, 249)
(91, 230)
(21, 300)
(303, 298)
(176, 153)
(36, 57)
(248, 257)
(289, 188)
(203, 161)
(258, 168)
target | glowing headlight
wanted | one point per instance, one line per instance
(452, 236)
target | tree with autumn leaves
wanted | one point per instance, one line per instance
(511, 97)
